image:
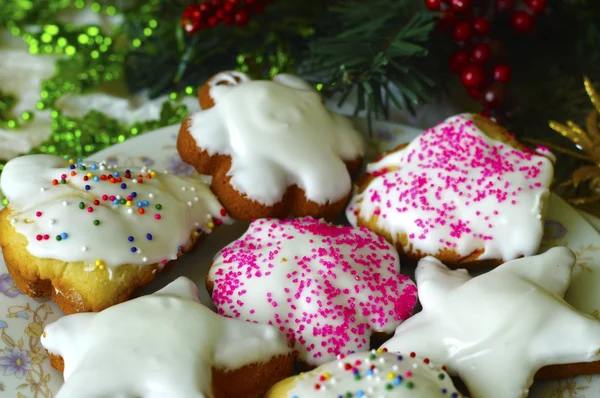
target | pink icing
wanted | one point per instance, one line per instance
(454, 184)
(327, 287)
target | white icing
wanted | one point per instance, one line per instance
(156, 346)
(278, 133)
(107, 242)
(496, 330)
(409, 377)
(327, 287)
(455, 188)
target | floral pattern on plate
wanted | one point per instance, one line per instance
(25, 369)
(24, 365)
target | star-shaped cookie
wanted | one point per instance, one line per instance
(496, 330)
(165, 345)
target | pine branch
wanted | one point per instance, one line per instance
(371, 54)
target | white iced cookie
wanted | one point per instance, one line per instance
(276, 134)
(329, 288)
(370, 374)
(163, 345)
(497, 330)
(463, 191)
(87, 234)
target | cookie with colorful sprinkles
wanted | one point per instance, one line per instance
(166, 344)
(271, 147)
(464, 191)
(87, 235)
(377, 373)
(331, 289)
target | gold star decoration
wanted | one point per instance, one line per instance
(588, 141)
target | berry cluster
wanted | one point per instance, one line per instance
(478, 61)
(210, 13)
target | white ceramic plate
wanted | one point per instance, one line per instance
(25, 371)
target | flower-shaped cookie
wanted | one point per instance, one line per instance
(88, 235)
(497, 330)
(271, 147)
(165, 345)
(328, 288)
(464, 191)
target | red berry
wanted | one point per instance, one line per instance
(233, 2)
(190, 26)
(493, 97)
(212, 22)
(472, 76)
(433, 5)
(502, 73)
(481, 53)
(205, 7)
(481, 26)
(522, 22)
(462, 31)
(228, 6)
(458, 60)
(460, 5)
(537, 6)
(505, 6)
(192, 12)
(217, 3)
(241, 17)
(220, 14)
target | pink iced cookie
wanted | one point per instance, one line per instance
(464, 191)
(327, 287)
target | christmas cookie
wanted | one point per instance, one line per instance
(272, 148)
(464, 191)
(165, 345)
(329, 288)
(87, 235)
(497, 330)
(370, 374)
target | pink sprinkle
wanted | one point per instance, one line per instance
(337, 284)
(38, 213)
(157, 216)
(446, 180)
(90, 209)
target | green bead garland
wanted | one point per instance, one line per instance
(90, 59)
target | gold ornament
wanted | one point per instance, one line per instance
(588, 141)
